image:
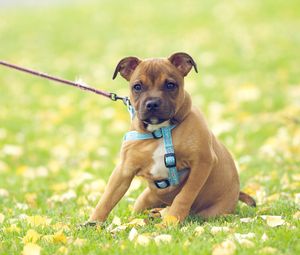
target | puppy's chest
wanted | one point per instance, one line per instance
(158, 168)
(148, 157)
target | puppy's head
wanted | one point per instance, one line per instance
(156, 85)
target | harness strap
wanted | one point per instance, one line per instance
(169, 157)
(156, 134)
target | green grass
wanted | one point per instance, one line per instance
(248, 88)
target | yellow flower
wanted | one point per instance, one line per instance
(12, 228)
(38, 220)
(59, 237)
(31, 236)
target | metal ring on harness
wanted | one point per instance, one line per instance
(162, 184)
(157, 134)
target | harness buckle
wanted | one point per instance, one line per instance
(170, 160)
(157, 134)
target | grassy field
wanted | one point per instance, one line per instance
(58, 145)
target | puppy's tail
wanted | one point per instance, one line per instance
(247, 199)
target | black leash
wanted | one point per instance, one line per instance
(112, 96)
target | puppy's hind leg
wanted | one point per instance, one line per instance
(147, 200)
(222, 207)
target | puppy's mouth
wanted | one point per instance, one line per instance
(155, 118)
(154, 121)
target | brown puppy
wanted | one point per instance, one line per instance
(210, 184)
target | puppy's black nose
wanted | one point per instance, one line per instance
(153, 104)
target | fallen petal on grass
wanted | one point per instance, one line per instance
(116, 221)
(164, 238)
(63, 250)
(243, 236)
(22, 206)
(31, 249)
(137, 222)
(38, 220)
(227, 247)
(296, 216)
(273, 221)
(199, 230)
(79, 242)
(246, 243)
(60, 226)
(142, 240)
(216, 230)
(31, 236)
(268, 250)
(246, 220)
(2, 217)
(186, 243)
(264, 237)
(118, 229)
(4, 193)
(184, 229)
(132, 234)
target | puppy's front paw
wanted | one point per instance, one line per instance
(158, 212)
(170, 220)
(155, 213)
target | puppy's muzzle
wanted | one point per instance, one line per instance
(155, 110)
(153, 104)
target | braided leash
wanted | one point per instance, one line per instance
(112, 96)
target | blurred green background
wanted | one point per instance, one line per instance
(248, 87)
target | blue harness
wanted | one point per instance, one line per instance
(169, 157)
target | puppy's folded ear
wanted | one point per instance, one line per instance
(126, 67)
(183, 62)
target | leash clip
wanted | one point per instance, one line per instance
(114, 97)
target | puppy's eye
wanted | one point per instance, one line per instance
(137, 87)
(170, 86)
